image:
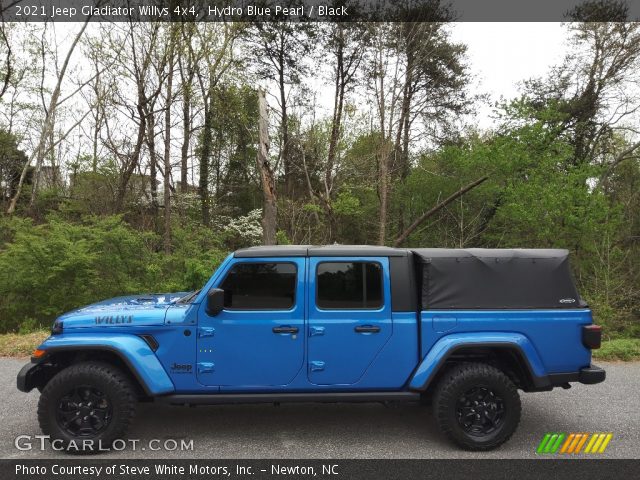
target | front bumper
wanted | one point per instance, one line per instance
(24, 376)
(32, 375)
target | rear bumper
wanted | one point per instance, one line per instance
(591, 375)
(588, 375)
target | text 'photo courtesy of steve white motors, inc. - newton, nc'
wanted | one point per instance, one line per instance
(162, 469)
(210, 12)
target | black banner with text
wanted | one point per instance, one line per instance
(319, 10)
(82, 468)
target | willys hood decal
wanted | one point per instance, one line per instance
(145, 309)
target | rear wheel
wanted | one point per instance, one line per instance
(477, 406)
(86, 406)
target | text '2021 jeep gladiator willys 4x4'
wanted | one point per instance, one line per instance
(464, 328)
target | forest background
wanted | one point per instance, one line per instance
(132, 160)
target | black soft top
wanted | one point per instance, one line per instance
(320, 251)
(450, 278)
(478, 278)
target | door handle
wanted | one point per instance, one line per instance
(316, 366)
(315, 331)
(284, 329)
(206, 332)
(206, 367)
(367, 329)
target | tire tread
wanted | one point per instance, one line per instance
(114, 377)
(446, 393)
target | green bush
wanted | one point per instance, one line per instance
(51, 268)
(29, 325)
(620, 349)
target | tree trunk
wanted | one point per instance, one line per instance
(383, 190)
(134, 159)
(186, 127)
(384, 152)
(94, 157)
(96, 119)
(284, 129)
(167, 148)
(187, 65)
(402, 139)
(151, 145)
(270, 208)
(336, 125)
(337, 116)
(205, 153)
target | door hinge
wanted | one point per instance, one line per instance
(206, 367)
(206, 332)
(316, 366)
(315, 331)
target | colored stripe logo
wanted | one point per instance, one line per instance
(574, 443)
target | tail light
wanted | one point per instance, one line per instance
(592, 336)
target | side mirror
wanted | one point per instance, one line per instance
(215, 301)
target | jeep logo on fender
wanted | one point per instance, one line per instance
(181, 367)
(114, 319)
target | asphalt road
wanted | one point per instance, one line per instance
(346, 430)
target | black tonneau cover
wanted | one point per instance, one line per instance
(477, 278)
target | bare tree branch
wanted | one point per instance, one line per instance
(404, 235)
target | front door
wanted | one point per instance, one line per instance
(349, 317)
(258, 339)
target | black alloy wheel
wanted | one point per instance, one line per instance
(480, 411)
(87, 406)
(84, 411)
(476, 405)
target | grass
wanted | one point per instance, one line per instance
(625, 349)
(21, 345)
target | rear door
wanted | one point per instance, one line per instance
(258, 339)
(349, 317)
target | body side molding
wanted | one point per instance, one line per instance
(316, 397)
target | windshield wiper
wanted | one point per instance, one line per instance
(188, 297)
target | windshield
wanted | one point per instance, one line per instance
(189, 297)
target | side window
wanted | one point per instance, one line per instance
(349, 285)
(260, 286)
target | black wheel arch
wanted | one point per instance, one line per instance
(57, 359)
(509, 358)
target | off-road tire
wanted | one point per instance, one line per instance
(453, 385)
(112, 382)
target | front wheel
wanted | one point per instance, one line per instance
(86, 406)
(477, 406)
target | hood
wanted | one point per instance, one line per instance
(145, 309)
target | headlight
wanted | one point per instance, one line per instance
(57, 327)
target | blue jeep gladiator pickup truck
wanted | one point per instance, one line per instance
(463, 330)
